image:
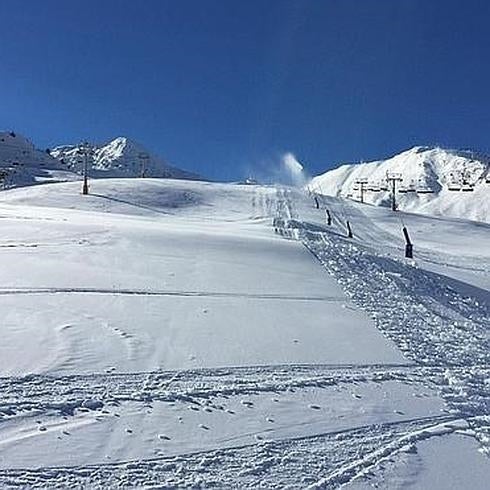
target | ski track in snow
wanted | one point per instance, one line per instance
(143, 292)
(292, 463)
(428, 320)
(443, 334)
(336, 456)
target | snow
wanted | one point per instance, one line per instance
(22, 164)
(170, 333)
(120, 157)
(295, 169)
(203, 276)
(436, 463)
(422, 168)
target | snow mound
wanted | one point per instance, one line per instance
(435, 181)
(21, 163)
(120, 157)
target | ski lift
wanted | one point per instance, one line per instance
(454, 184)
(411, 187)
(424, 190)
(373, 187)
(403, 189)
(467, 188)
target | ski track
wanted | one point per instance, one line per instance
(142, 292)
(428, 320)
(443, 334)
(339, 455)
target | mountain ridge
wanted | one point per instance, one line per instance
(120, 157)
(21, 163)
(434, 181)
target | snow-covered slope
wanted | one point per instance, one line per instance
(177, 334)
(435, 181)
(22, 164)
(120, 157)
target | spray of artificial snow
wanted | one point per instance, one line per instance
(295, 170)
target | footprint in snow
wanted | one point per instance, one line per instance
(356, 395)
(315, 407)
(163, 437)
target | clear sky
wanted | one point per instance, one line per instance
(222, 87)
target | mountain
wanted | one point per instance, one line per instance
(120, 157)
(21, 163)
(435, 181)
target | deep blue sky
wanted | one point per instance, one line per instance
(223, 86)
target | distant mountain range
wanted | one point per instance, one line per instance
(120, 157)
(23, 164)
(434, 181)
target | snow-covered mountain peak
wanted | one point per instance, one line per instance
(121, 144)
(120, 157)
(21, 163)
(13, 142)
(435, 180)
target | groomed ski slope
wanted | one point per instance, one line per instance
(173, 333)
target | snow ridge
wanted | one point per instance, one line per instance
(435, 181)
(120, 157)
(21, 163)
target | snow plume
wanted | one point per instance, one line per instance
(294, 169)
(282, 168)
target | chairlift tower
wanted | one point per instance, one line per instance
(86, 150)
(361, 183)
(143, 157)
(393, 177)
